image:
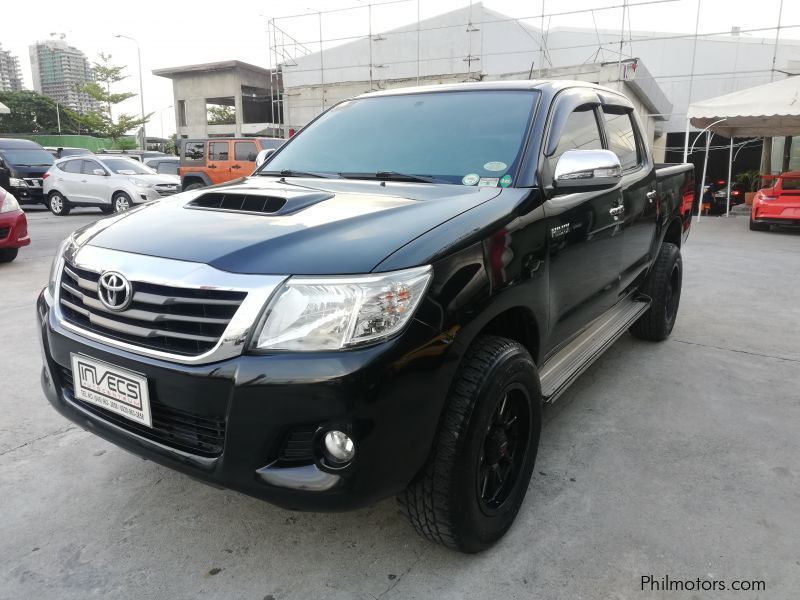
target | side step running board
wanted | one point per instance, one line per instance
(568, 363)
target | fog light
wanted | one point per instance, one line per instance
(339, 448)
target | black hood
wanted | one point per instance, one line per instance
(298, 226)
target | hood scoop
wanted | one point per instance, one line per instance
(257, 204)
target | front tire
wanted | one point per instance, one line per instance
(58, 204)
(663, 286)
(121, 202)
(475, 480)
(8, 254)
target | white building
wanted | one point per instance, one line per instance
(59, 70)
(10, 74)
(476, 43)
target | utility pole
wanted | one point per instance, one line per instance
(141, 88)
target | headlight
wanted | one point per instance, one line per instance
(331, 313)
(140, 182)
(14, 182)
(68, 245)
(8, 203)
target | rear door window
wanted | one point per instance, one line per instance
(72, 166)
(218, 151)
(195, 152)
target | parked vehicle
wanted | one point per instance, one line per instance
(208, 162)
(139, 155)
(62, 152)
(110, 183)
(13, 227)
(164, 165)
(715, 196)
(778, 203)
(381, 317)
(22, 165)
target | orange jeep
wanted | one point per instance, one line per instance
(217, 160)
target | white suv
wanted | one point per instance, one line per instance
(112, 184)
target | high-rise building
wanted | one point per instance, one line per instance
(10, 75)
(59, 70)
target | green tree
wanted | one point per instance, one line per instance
(107, 74)
(216, 114)
(32, 113)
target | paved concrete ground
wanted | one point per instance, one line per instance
(676, 459)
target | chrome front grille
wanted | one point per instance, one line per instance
(176, 320)
(167, 189)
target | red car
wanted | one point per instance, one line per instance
(778, 204)
(13, 227)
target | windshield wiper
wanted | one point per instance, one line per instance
(390, 176)
(41, 165)
(293, 173)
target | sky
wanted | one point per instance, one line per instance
(170, 35)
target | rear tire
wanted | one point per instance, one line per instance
(58, 204)
(8, 254)
(663, 286)
(470, 490)
(106, 210)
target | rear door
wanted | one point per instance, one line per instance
(584, 237)
(244, 158)
(219, 161)
(68, 181)
(637, 189)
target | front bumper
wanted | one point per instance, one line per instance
(14, 230)
(28, 194)
(387, 397)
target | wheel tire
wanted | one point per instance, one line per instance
(757, 226)
(107, 210)
(8, 254)
(193, 186)
(446, 502)
(121, 202)
(58, 204)
(663, 286)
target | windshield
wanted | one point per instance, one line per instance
(474, 138)
(28, 157)
(126, 166)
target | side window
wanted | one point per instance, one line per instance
(580, 133)
(89, 166)
(195, 152)
(169, 168)
(72, 166)
(218, 151)
(622, 138)
(244, 151)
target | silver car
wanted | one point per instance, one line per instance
(112, 184)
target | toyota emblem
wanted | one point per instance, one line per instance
(114, 291)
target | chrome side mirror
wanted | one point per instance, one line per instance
(98, 172)
(579, 170)
(261, 157)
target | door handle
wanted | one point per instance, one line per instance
(236, 167)
(83, 181)
(651, 195)
(212, 166)
(616, 212)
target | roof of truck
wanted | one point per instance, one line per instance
(512, 84)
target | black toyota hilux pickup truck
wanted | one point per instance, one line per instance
(382, 308)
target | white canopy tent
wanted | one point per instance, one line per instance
(769, 110)
(4, 110)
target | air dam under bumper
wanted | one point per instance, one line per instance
(387, 397)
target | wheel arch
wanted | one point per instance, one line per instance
(674, 232)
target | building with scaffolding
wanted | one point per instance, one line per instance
(59, 71)
(476, 43)
(225, 99)
(10, 74)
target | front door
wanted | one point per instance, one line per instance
(219, 161)
(95, 186)
(244, 158)
(585, 238)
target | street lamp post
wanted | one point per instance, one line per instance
(141, 88)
